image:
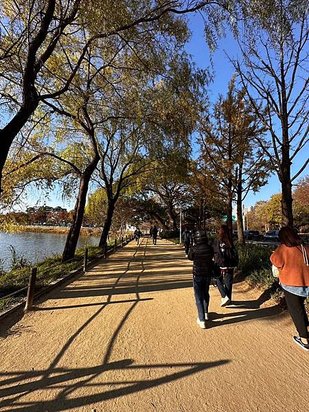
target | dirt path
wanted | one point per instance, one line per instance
(124, 338)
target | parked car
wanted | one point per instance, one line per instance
(271, 236)
(252, 235)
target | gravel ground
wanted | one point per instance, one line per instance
(123, 337)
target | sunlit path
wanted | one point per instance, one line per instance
(124, 337)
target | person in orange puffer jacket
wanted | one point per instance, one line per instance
(291, 258)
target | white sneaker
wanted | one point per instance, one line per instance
(225, 301)
(206, 316)
(201, 323)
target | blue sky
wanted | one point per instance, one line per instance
(223, 72)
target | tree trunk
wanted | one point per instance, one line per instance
(173, 216)
(229, 214)
(73, 235)
(229, 209)
(78, 215)
(240, 222)
(287, 202)
(108, 223)
(286, 184)
(10, 131)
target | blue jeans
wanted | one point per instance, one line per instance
(201, 294)
(225, 282)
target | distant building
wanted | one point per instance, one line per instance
(46, 209)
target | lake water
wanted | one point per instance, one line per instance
(35, 246)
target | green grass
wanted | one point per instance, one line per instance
(6, 303)
(48, 270)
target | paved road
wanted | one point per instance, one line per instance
(124, 337)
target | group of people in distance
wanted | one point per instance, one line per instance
(153, 234)
(220, 259)
(137, 235)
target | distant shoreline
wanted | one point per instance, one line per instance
(85, 231)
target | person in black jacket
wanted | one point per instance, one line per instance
(187, 240)
(225, 258)
(201, 253)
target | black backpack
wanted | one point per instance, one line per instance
(229, 255)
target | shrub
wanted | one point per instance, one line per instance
(17, 261)
(169, 234)
(254, 258)
(255, 266)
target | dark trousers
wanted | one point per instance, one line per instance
(225, 282)
(187, 247)
(201, 294)
(296, 308)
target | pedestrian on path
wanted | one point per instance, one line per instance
(201, 253)
(154, 234)
(291, 258)
(137, 235)
(187, 240)
(226, 259)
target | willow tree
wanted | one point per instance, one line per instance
(120, 165)
(37, 36)
(30, 33)
(174, 110)
(109, 77)
(27, 169)
(274, 76)
(167, 185)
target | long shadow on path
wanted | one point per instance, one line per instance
(60, 376)
(249, 310)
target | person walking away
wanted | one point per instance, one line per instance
(154, 234)
(291, 258)
(226, 259)
(187, 239)
(137, 235)
(201, 253)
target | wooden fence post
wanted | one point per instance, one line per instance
(30, 291)
(85, 259)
